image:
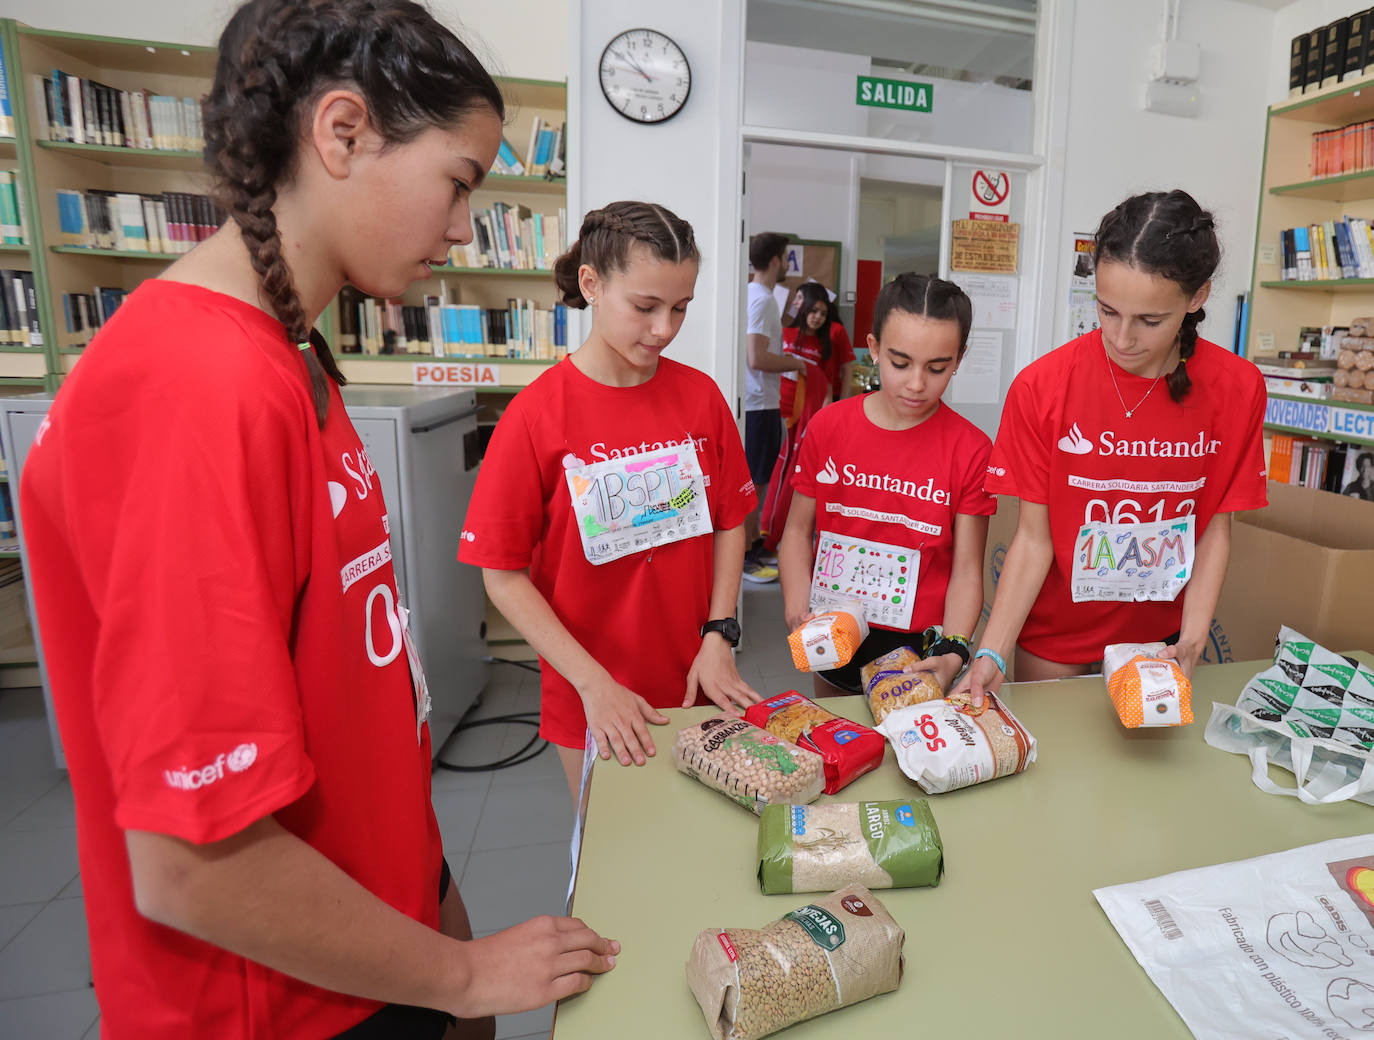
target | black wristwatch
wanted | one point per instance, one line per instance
(727, 627)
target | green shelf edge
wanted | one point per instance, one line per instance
(119, 254)
(110, 149)
(63, 34)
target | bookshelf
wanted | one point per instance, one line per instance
(1291, 197)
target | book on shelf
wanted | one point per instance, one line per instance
(1355, 47)
(19, 325)
(81, 111)
(507, 162)
(443, 327)
(13, 229)
(1331, 250)
(6, 104)
(1333, 51)
(1346, 149)
(85, 313)
(513, 238)
(170, 222)
(1313, 80)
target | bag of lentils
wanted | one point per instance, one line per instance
(836, 951)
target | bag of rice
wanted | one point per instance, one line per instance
(1146, 690)
(836, 951)
(848, 749)
(818, 848)
(944, 746)
(889, 686)
(748, 764)
(828, 640)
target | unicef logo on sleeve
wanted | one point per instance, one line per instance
(242, 757)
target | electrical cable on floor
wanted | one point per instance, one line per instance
(524, 718)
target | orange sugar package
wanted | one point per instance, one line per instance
(1145, 689)
(829, 640)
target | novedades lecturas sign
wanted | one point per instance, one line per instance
(894, 93)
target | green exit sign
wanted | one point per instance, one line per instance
(894, 93)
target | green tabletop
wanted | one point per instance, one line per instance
(1012, 942)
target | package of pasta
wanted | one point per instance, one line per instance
(944, 745)
(748, 764)
(1146, 690)
(837, 951)
(818, 848)
(888, 685)
(829, 639)
(847, 749)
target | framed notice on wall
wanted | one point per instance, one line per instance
(984, 245)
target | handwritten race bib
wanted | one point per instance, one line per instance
(418, 683)
(1133, 562)
(882, 577)
(626, 505)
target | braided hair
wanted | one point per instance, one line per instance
(925, 296)
(607, 235)
(276, 58)
(1166, 234)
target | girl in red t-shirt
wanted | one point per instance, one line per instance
(888, 500)
(816, 336)
(608, 514)
(1129, 449)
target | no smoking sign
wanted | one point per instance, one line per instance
(991, 191)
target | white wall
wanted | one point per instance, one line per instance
(523, 37)
(690, 164)
(1116, 149)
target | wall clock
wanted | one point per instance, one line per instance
(645, 76)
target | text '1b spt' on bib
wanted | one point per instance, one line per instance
(1133, 562)
(637, 502)
(880, 576)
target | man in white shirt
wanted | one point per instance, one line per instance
(765, 361)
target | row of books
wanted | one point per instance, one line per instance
(14, 226)
(6, 105)
(514, 238)
(1324, 465)
(19, 310)
(547, 150)
(85, 313)
(82, 111)
(172, 222)
(1331, 54)
(1349, 149)
(441, 329)
(1331, 250)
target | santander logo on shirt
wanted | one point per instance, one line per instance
(1111, 443)
(852, 476)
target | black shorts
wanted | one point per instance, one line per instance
(762, 443)
(880, 641)
(402, 1021)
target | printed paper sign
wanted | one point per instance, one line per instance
(1133, 562)
(450, 374)
(991, 196)
(637, 502)
(881, 577)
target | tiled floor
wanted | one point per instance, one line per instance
(506, 836)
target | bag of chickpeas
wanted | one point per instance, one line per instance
(829, 954)
(818, 848)
(748, 764)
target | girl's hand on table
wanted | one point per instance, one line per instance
(714, 674)
(616, 719)
(983, 677)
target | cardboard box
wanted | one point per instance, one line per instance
(1307, 561)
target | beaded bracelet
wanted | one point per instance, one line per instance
(997, 659)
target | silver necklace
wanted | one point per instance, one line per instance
(1129, 411)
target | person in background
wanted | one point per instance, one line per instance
(1129, 448)
(765, 362)
(624, 626)
(814, 335)
(246, 738)
(897, 474)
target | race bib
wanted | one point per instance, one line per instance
(626, 505)
(882, 577)
(419, 685)
(1133, 562)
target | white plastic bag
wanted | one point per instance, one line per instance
(1278, 946)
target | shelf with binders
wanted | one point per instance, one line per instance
(103, 116)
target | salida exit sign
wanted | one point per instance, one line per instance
(894, 93)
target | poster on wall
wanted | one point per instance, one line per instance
(991, 191)
(981, 245)
(1082, 286)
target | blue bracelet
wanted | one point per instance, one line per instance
(997, 659)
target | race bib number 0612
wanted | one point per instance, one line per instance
(1133, 562)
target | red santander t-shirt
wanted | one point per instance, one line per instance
(899, 487)
(807, 346)
(1066, 442)
(213, 581)
(639, 616)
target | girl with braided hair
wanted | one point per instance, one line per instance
(608, 514)
(210, 561)
(1129, 449)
